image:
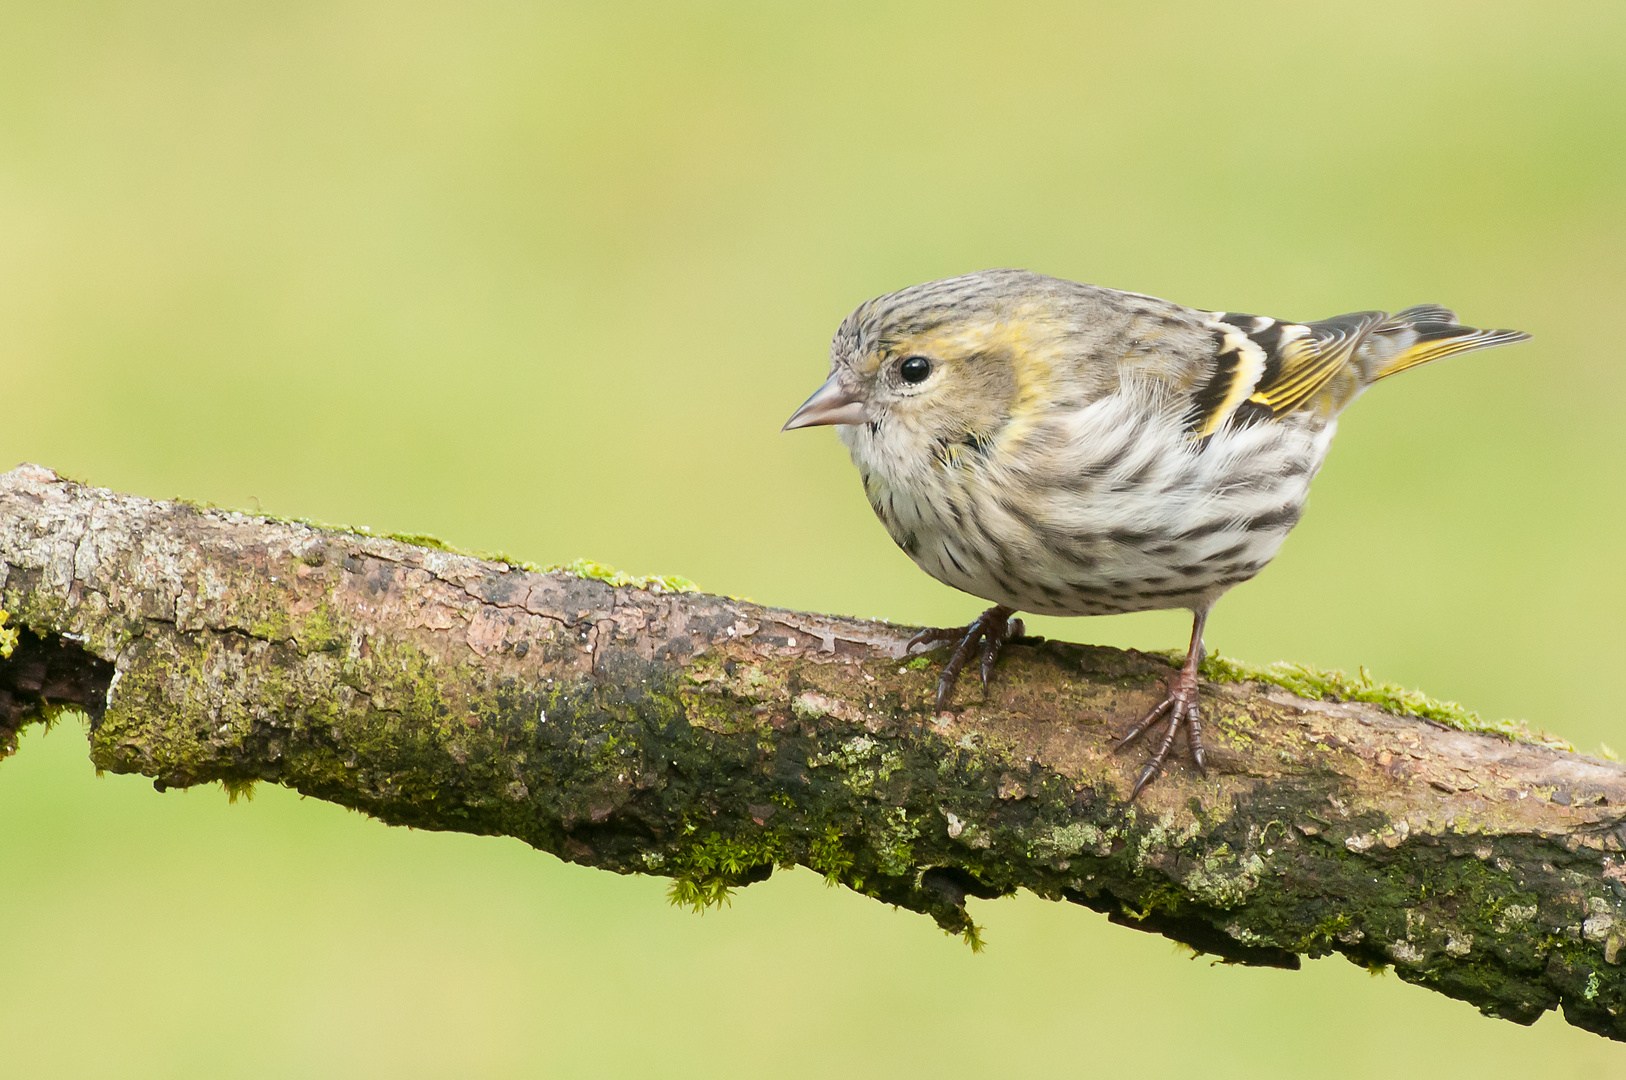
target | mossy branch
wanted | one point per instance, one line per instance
(635, 726)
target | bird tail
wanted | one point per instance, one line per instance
(1420, 334)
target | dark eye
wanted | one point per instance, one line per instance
(915, 369)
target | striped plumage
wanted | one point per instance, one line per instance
(1076, 450)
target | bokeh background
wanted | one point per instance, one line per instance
(546, 278)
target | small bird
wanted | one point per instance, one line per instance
(1068, 449)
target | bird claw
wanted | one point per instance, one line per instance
(1184, 710)
(990, 630)
(992, 643)
(933, 635)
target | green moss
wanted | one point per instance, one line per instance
(1311, 682)
(971, 935)
(433, 543)
(422, 540)
(893, 841)
(1322, 938)
(707, 870)
(586, 568)
(8, 636)
(51, 715)
(323, 740)
(46, 716)
(829, 856)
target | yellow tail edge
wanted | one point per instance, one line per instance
(1442, 343)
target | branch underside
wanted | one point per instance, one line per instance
(711, 740)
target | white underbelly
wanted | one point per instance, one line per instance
(1176, 534)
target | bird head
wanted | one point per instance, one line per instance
(942, 363)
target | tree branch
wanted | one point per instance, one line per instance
(632, 727)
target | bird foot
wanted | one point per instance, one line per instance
(992, 629)
(1183, 710)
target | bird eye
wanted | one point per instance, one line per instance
(915, 369)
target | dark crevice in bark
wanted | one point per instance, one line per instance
(45, 671)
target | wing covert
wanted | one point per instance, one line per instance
(1266, 368)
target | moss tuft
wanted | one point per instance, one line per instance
(706, 872)
(422, 540)
(1312, 682)
(8, 636)
(830, 857)
(238, 789)
(587, 568)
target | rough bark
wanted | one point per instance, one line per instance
(642, 729)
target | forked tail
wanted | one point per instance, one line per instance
(1420, 334)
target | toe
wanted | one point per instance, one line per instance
(1146, 776)
(931, 636)
(1194, 735)
(1145, 725)
(990, 653)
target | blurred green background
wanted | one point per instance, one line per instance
(547, 279)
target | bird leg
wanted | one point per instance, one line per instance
(1182, 708)
(993, 628)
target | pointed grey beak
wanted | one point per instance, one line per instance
(831, 403)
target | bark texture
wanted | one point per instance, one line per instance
(645, 730)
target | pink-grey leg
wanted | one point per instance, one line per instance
(1182, 708)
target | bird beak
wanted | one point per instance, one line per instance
(831, 403)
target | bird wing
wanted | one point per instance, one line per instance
(1265, 368)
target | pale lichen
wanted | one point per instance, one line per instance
(862, 762)
(1222, 879)
(1067, 840)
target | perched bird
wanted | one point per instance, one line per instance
(1068, 449)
